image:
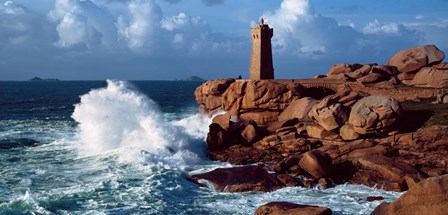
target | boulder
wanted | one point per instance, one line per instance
(298, 109)
(260, 118)
(316, 163)
(429, 197)
(249, 133)
(406, 78)
(238, 179)
(431, 77)
(371, 78)
(286, 208)
(329, 114)
(339, 69)
(374, 114)
(222, 120)
(347, 132)
(411, 60)
(345, 95)
(363, 71)
(319, 132)
(389, 169)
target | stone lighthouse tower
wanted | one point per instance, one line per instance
(261, 66)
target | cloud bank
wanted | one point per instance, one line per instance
(134, 39)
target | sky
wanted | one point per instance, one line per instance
(174, 39)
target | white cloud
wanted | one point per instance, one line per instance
(300, 30)
(376, 27)
(139, 27)
(83, 22)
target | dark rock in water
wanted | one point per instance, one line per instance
(429, 197)
(239, 179)
(17, 143)
(282, 208)
(316, 163)
(374, 198)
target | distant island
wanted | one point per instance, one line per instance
(43, 79)
(193, 78)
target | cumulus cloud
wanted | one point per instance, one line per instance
(140, 24)
(302, 31)
(82, 23)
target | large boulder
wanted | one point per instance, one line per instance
(316, 163)
(238, 179)
(429, 197)
(298, 109)
(411, 60)
(436, 77)
(347, 132)
(374, 114)
(329, 114)
(319, 132)
(286, 208)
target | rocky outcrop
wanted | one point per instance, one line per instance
(345, 137)
(374, 114)
(261, 100)
(429, 197)
(286, 208)
(436, 77)
(362, 73)
(238, 179)
(208, 95)
(413, 59)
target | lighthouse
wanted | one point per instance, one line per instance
(261, 66)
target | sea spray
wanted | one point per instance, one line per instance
(118, 117)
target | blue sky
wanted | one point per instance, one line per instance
(173, 39)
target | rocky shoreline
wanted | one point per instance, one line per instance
(308, 133)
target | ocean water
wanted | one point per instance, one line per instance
(116, 147)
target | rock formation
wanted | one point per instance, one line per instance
(429, 197)
(359, 134)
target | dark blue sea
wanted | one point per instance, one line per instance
(117, 147)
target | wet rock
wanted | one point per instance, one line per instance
(238, 179)
(316, 163)
(374, 198)
(413, 59)
(389, 169)
(374, 114)
(288, 180)
(429, 197)
(222, 120)
(285, 208)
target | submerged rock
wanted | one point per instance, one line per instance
(285, 208)
(239, 179)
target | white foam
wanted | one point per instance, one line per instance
(120, 118)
